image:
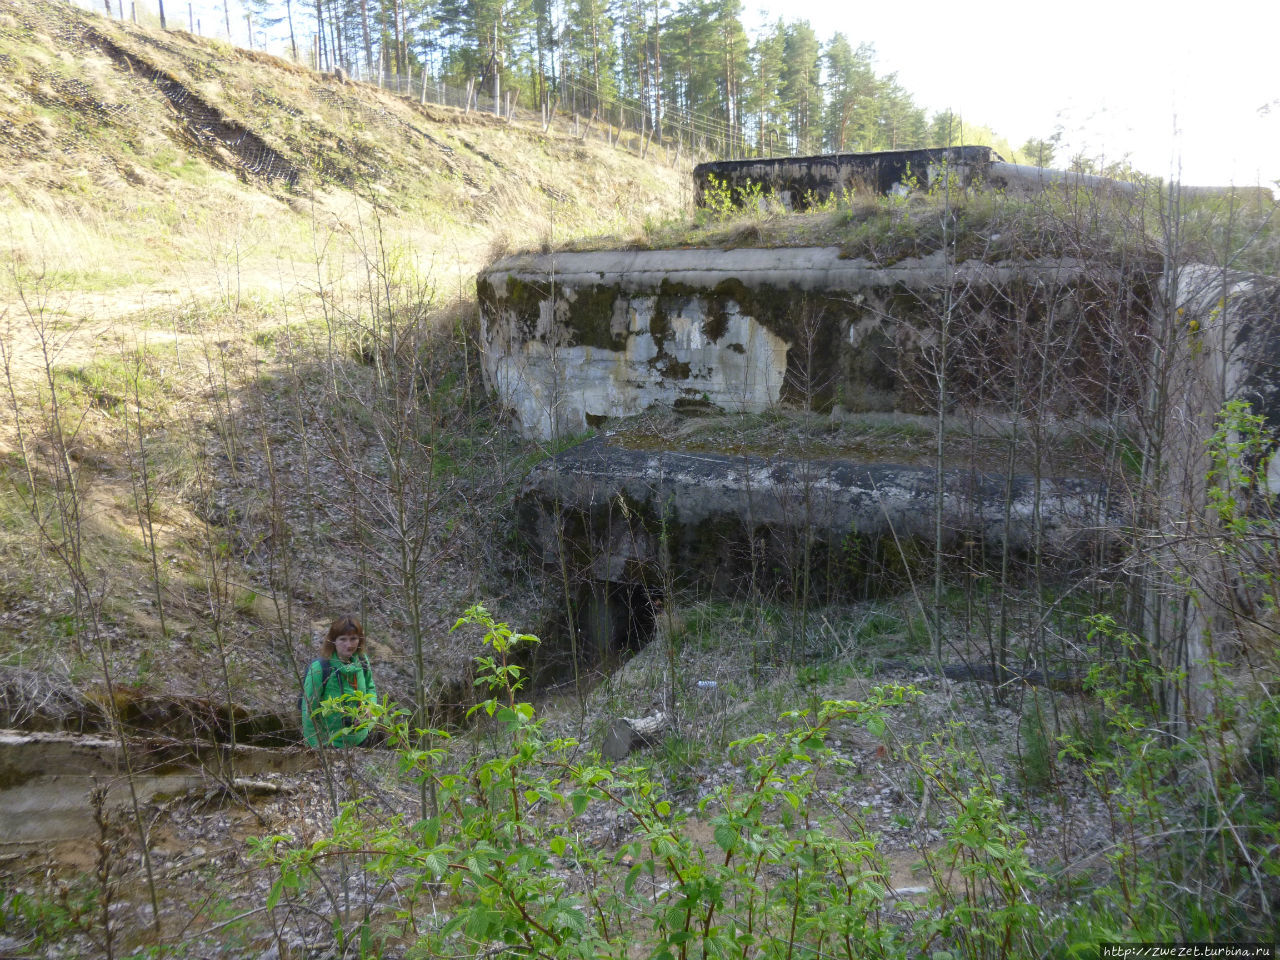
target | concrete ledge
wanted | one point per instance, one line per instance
(637, 516)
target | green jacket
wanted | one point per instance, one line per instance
(331, 729)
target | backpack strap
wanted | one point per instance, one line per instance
(326, 668)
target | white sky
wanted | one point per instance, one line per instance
(1118, 76)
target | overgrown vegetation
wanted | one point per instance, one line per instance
(209, 449)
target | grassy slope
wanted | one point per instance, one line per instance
(225, 305)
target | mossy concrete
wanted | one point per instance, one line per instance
(801, 182)
(572, 339)
(664, 519)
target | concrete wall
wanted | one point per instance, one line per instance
(572, 338)
(1223, 344)
(801, 181)
(729, 523)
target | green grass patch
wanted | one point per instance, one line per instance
(111, 383)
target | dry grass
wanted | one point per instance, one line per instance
(250, 300)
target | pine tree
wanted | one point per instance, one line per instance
(851, 88)
(801, 91)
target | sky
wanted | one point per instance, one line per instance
(1186, 92)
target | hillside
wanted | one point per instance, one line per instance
(109, 129)
(203, 245)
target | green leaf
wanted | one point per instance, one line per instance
(632, 874)
(568, 918)
(435, 864)
(481, 922)
(726, 837)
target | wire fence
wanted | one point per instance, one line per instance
(620, 122)
(628, 123)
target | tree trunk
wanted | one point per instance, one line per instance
(364, 29)
(293, 43)
(395, 35)
(319, 35)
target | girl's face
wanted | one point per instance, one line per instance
(346, 645)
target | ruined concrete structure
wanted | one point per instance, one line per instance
(732, 522)
(801, 182)
(571, 339)
(1229, 339)
(578, 340)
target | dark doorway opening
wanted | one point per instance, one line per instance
(614, 620)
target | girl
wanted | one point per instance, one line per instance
(343, 668)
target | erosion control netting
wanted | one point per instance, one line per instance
(222, 140)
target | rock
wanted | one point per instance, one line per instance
(626, 735)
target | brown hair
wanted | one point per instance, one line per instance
(340, 627)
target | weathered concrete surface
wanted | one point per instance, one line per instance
(799, 182)
(570, 338)
(1222, 341)
(45, 778)
(736, 522)
(1026, 179)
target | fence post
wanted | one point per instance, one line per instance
(470, 85)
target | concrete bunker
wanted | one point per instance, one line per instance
(573, 339)
(799, 183)
(581, 340)
(636, 524)
(802, 182)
